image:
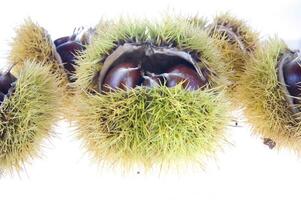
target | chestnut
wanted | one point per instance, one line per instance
(61, 40)
(67, 47)
(130, 66)
(67, 52)
(292, 77)
(185, 74)
(6, 82)
(122, 76)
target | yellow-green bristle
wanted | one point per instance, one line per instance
(264, 99)
(148, 126)
(235, 52)
(151, 126)
(248, 36)
(27, 116)
(197, 21)
(32, 42)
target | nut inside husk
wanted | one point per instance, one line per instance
(289, 75)
(151, 60)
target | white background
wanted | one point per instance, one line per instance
(245, 170)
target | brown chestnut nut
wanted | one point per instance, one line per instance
(67, 52)
(121, 76)
(292, 77)
(67, 47)
(61, 40)
(185, 74)
(6, 82)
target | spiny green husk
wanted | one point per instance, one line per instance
(197, 21)
(233, 54)
(264, 99)
(32, 42)
(150, 126)
(245, 33)
(170, 32)
(26, 117)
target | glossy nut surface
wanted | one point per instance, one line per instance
(6, 81)
(122, 76)
(186, 75)
(157, 67)
(7, 85)
(292, 77)
(61, 40)
(67, 52)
